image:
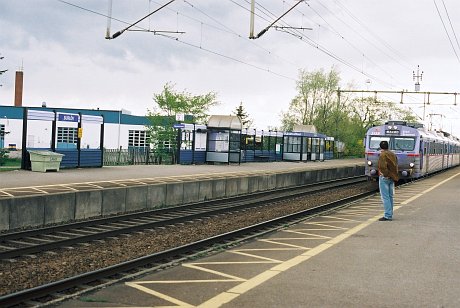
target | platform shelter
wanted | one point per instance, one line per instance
(224, 139)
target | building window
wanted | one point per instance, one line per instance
(67, 137)
(292, 144)
(138, 138)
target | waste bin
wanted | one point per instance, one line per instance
(43, 161)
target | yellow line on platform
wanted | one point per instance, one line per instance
(159, 295)
(244, 287)
(428, 190)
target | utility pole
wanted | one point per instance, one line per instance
(251, 24)
(109, 20)
(417, 78)
(251, 31)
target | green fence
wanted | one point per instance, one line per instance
(138, 156)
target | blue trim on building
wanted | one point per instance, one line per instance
(110, 116)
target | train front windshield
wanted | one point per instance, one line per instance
(395, 143)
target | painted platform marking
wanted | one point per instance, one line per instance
(140, 287)
(368, 207)
(429, 189)
(200, 266)
(234, 292)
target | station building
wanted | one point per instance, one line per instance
(121, 128)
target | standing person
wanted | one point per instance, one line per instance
(388, 175)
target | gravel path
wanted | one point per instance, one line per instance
(28, 272)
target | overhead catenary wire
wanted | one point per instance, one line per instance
(401, 60)
(162, 34)
(276, 20)
(301, 36)
(450, 22)
(118, 33)
(233, 32)
(346, 40)
(226, 29)
(445, 30)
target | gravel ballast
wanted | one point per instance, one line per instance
(27, 272)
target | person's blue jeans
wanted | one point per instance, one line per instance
(386, 186)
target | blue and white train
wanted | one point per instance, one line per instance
(419, 152)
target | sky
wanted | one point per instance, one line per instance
(202, 46)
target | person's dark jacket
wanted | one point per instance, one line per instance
(388, 165)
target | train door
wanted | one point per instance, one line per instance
(426, 154)
(443, 154)
(421, 152)
(447, 154)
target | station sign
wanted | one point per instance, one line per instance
(68, 117)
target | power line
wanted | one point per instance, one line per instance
(228, 57)
(445, 30)
(161, 33)
(450, 22)
(346, 40)
(118, 33)
(301, 36)
(231, 31)
(276, 20)
(407, 65)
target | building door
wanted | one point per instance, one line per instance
(2, 136)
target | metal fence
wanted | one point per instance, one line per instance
(138, 156)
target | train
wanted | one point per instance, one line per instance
(419, 151)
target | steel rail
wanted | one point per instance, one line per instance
(178, 215)
(82, 279)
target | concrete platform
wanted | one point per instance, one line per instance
(35, 199)
(25, 178)
(345, 259)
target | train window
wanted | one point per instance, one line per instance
(403, 144)
(374, 142)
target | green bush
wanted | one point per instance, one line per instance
(3, 156)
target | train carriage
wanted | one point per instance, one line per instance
(419, 152)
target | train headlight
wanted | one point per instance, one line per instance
(411, 165)
(369, 163)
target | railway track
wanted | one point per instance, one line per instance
(118, 271)
(13, 245)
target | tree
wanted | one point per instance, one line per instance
(243, 116)
(341, 116)
(369, 111)
(315, 99)
(169, 103)
(364, 113)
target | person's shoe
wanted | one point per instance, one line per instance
(384, 219)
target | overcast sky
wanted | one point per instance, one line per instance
(374, 44)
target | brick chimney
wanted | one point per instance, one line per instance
(19, 83)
